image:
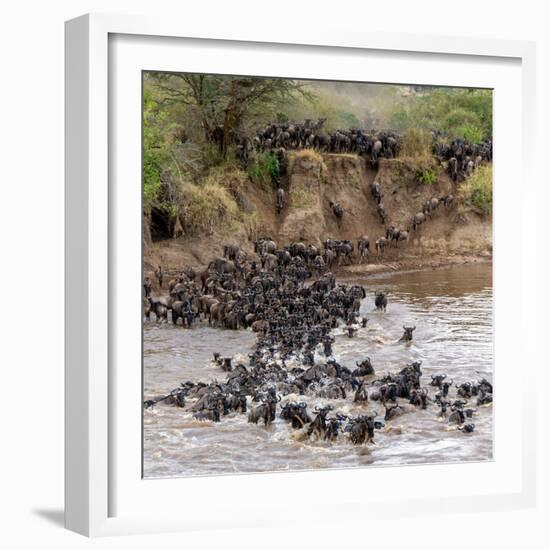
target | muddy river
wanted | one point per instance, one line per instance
(452, 310)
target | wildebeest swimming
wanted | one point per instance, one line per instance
(295, 314)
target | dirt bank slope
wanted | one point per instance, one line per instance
(312, 182)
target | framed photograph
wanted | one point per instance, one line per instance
(295, 266)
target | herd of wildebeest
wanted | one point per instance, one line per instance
(294, 320)
(461, 156)
(289, 297)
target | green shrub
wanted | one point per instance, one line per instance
(471, 133)
(477, 190)
(428, 176)
(460, 113)
(155, 153)
(264, 169)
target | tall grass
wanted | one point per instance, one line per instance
(477, 190)
(264, 169)
(300, 196)
(416, 144)
(308, 154)
(211, 205)
(416, 149)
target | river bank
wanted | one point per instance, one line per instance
(449, 235)
(413, 265)
(378, 267)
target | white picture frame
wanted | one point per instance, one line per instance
(104, 495)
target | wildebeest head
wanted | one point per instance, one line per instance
(393, 411)
(408, 333)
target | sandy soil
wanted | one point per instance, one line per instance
(311, 184)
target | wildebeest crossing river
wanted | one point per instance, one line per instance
(452, 310)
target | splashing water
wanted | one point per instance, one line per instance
(452, 311)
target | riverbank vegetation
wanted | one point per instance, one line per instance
(192, 123)
(477, 190)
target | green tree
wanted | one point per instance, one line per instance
(155, 151)
(222, 103)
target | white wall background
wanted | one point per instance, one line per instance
(31, 260)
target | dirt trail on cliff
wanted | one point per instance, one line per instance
(312, 182)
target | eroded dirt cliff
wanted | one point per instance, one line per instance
(312, 182)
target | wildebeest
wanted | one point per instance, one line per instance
(319, 425)
(363, 247)
(407, 334)
(437, 380)
(457, 415)
(261, 412)
(393, 411)
(365, 368)
(362, 428)
(337, 210)
(380, 244)
(381, 211)
(158, 308)
(375, 191)
(467, 428)
(281, 200)
(447, 200)
(380, 301)
(396, 235)
(361, 393)
(296, 414)
(418, 220)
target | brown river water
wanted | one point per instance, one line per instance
(452, 310)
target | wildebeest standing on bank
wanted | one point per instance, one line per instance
(159, 275)
(381, 211)
(281, 200)
(375, 191)
(363, 247)
(337, 210)
(380, 244)
(418, 220)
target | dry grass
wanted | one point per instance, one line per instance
(207, 208)
(308, 154)
(300, 197)
(416, 144)
(416, 150)
(227, 175)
